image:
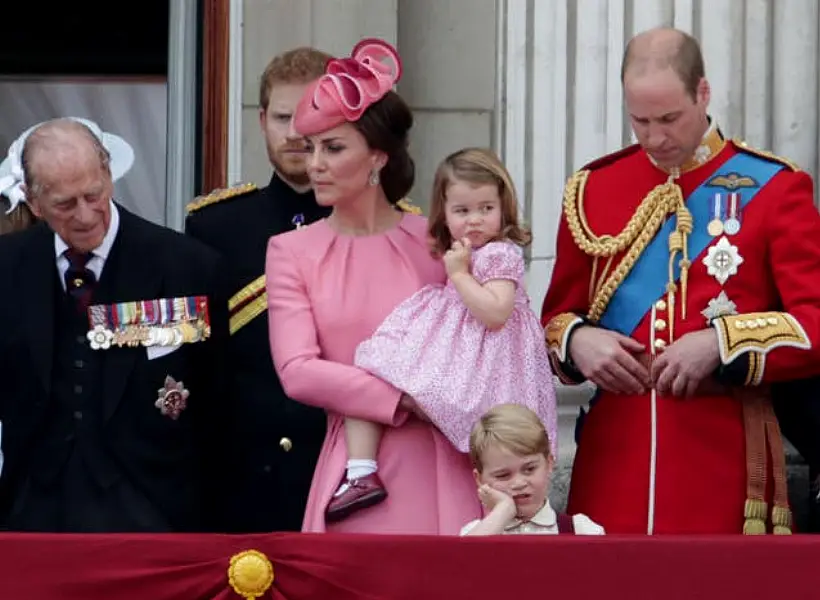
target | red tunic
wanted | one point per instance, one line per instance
(696, 477)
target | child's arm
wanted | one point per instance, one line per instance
(491, 300)
(491, 303)
(499, 516)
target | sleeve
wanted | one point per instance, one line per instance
(781, 345)
(305, 375)
(566, 303)
(212, 437)
(469, 527)
(499, 260)
(586, 526)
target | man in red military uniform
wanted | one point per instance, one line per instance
(686, 282)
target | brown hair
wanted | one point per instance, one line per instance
(511, 426)
(684, 57)
(385, 126)
(476, 166)
(17, 220)
(300, 65)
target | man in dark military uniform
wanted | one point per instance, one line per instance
(112, 341)
(275, 440)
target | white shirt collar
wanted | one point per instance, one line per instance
(545, 518)
(104, 248)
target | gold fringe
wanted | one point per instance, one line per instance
(782, 520)
(755, 514)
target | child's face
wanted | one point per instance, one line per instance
(525, 478)
(473, 211)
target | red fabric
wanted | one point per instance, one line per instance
(371, 567)
(700, 484)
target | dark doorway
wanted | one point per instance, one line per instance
(89, 38)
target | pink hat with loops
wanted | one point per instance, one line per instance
(348, 87)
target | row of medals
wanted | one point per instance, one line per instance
(730, 226)
(170, 335)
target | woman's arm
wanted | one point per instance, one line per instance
(305, 376)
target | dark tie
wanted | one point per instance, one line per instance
(79, 280)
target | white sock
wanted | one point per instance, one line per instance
(356, 469)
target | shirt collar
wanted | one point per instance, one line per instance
(545, 518)
(710, 146)
(104, 248)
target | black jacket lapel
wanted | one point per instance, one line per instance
(39, 279)
(130, 274)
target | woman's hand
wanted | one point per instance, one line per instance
(409, 404)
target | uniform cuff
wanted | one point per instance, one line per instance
(558, 334)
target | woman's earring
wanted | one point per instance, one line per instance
(374, 178)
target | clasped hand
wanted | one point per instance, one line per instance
(608, 359)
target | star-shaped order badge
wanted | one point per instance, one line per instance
(719, 307)
(172, 398)
(722, 260)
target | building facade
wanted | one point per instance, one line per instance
(539, 81)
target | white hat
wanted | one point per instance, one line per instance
(11, 169)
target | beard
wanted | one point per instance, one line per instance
(290, 167)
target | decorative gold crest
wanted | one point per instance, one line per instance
(732, 181)
(250, 574)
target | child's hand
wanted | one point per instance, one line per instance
(457, 258)
(492, 498)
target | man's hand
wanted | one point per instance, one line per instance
(606, 359)
(685, 363)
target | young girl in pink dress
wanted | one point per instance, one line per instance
(461, 348)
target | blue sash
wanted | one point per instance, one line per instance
(648, 279)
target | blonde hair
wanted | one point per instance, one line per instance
(17, 220)
(476, 166)
(512, 427)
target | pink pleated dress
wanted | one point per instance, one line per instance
(432, 347)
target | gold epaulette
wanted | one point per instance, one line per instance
(744, 147)
(405, 205)
(218, 195)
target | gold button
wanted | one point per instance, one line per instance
(285, 444)
(660, 324)
(660, 305)
(660, 344)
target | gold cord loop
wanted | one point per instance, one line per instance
(644, 224)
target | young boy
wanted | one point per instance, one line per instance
(512, 464)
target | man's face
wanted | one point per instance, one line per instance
(667, 121)
(285, 147)
(74, 196)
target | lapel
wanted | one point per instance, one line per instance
(40, 280)
(130, 273)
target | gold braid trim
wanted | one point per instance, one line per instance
(662, 200)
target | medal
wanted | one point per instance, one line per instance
(732, 225)
(298, 220)
(715, 227)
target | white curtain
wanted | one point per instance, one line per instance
(135, 110)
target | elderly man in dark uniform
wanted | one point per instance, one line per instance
(275, 440)
(111, 337)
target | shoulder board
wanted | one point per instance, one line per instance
(219, 195)
(611, 158)
(744, 147)
(405, 205)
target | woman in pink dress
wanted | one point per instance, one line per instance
(332, 283)
(462, 348)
